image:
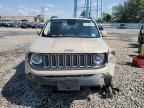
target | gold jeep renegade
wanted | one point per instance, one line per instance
(68, 54)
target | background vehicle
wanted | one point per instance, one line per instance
(36, 25)
(25, 25)
(8, 24)
(123, 26)
(17, 24)
(1, 24)
(40, 25)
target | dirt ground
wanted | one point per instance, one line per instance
(14, 92)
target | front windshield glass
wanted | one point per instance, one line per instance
(71, 28)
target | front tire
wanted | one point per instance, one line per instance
(109, 92)
(108, 80)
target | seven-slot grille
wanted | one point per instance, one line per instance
(68, 61)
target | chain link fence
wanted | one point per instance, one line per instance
(117, 25)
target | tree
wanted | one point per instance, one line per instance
(131, 11)
(83, 14)
(118, 13)
(107, 17)
(39, 18)
(99, 20)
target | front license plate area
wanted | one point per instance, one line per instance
(68, 85)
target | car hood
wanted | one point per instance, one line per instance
(68, 45)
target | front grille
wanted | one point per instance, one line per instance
(68, 61)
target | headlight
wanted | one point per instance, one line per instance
(99, 59)
(36, 59)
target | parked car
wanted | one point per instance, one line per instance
(34, 25)
(68, 54)
(140, 38)
(8, 24)
(25, 25)
(123, 26)
(17, 24)
(1, 24)
(40, 25)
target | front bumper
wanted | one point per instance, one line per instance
(91, 80)
(93, 77)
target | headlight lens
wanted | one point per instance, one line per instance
(36, 59)
(99, 59)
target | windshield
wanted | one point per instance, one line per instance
(71, 28)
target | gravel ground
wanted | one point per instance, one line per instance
(16, 94)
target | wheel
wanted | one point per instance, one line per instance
(108, 80)
(108, 86)
(109, 92)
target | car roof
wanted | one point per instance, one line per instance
(72, 18)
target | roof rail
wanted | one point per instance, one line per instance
(54, 17)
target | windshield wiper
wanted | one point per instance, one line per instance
(52, 35)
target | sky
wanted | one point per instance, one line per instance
(51, 7)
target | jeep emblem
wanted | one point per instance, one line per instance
(68, 50)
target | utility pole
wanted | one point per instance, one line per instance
(90, 14)
(75, 8)
(101, 9)
(97, 10)
(87, 8)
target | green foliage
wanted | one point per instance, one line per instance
(131, 11)
(83, 14)
(118, 13)
(99, 20)
(107, 17)
(39, 18)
